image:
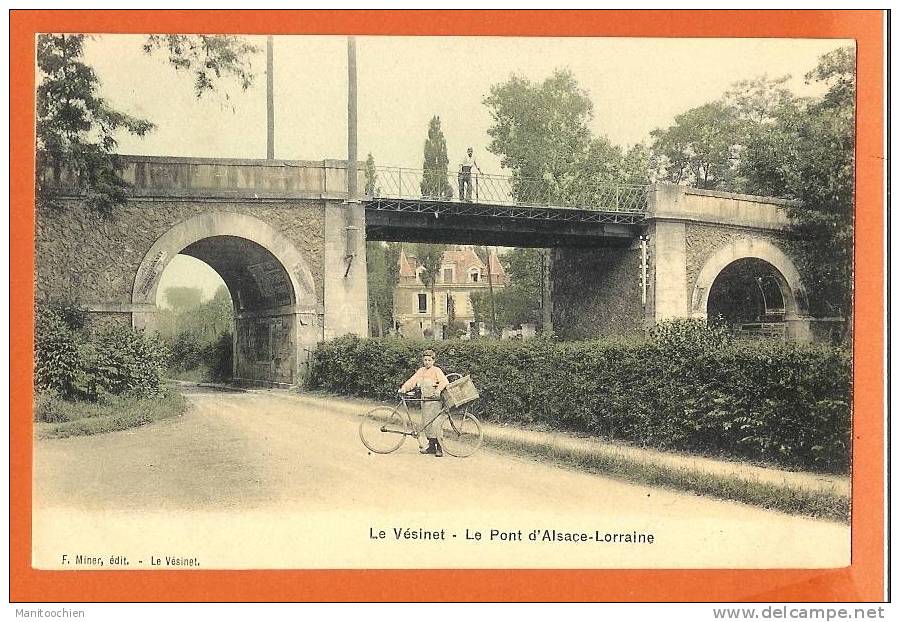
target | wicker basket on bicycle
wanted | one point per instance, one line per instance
(460, 392)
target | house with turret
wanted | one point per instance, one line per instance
(462, 274)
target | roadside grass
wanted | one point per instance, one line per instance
(785, 498)
(57, 418)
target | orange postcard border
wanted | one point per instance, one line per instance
(863, 580)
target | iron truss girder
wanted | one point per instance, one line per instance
(456, 208)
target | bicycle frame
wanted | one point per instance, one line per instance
(405, 401)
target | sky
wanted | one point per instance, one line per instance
(635, 84)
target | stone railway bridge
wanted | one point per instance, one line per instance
(291, 250)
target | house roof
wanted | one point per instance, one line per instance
(496, 266)
(464, 258)
(405, 268)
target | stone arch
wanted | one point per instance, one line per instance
(786, 274)
(215, 224)
(271, 287)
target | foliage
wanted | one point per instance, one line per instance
(520, 301)
(76, 128)
(383, 274)
(484, 304)
(690, 336)
(184, 351)
(56, 360)
(199, 334)
(208, 57)
(218, 357)
(783, 403)
(434, 165)
(121, 361)
(542, 133)
(701, 149)
(181, 299)
(759, 138)
(112, 361)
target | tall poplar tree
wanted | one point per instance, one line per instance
(435, 183)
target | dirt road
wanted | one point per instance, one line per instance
(257, 480)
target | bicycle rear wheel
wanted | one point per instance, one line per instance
(383, 429)
(460, 433)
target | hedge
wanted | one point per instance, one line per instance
(687, 389)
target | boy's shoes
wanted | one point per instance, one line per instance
(438, 452)
(433, 447)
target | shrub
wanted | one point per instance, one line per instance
(687, 388)
(124, 362)
(56, 362)
(114, 361)
(186, 351)
(218, 357)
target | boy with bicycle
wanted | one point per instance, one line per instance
(431, 381)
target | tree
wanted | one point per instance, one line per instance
(702, 148)
(182, 299)
(208, 57)
(520, 301)
(77, 128)
(434, 165)
(540, 130)
(824, 184)
(484, 254)
(803, 149)
(430, 257)
(542, 133)
(383, 273)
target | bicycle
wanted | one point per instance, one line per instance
(384, 429)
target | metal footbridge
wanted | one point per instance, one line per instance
(415, 204)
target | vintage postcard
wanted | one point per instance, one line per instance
(546, 295)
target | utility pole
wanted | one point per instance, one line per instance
(270, 99)
(352, 159)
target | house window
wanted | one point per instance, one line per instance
(448, 275)
(449, 303)
(423, 303)
(474, 275)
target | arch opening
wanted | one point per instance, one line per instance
(271, 290)
(195, 320)
(749, 296)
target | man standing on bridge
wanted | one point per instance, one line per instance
(465, 175)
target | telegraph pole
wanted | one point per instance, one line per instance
(270, 100)
(352, 159)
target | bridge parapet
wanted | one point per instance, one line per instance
(172, 177)
(673, 202)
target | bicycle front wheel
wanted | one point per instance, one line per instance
(383, 430)
(460, 433)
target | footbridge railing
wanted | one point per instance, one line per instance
(504, 190)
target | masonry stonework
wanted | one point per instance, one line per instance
(702, 242)
(596, 292)
(95, 259)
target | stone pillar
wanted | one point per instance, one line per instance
(668, 256)
(346, 290)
